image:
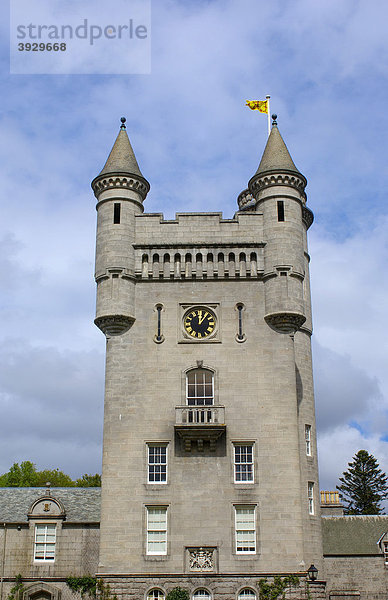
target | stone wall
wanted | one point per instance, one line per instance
(365, 577)
(220, 588)
(76, 552)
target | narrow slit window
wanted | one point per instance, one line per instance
(310, 494)
(159, 335)
(307, 435)
(280, 210)
(116, 213)
(240, 334)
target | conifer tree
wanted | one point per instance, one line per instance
(363, 485)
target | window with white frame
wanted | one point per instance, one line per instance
(310, 494)
(157, 530)
(201, 594)
(245, 529)
(246, 594)
(44, 545)
(155, 594)
(243, 463)
(200, 387)
(385, 551)
(157, 463)
(307, 435)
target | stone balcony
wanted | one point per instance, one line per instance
(199, 424)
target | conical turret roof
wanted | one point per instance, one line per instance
(122, 158)
(276, 168)
(276, 156)
(121, 169)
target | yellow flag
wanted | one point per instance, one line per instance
(260, 105)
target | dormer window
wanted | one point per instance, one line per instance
(45, 517)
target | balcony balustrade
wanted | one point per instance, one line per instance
(200, 424)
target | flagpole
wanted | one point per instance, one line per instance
(268, 115)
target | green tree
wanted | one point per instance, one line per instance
(178, 593)
(26, 475)
(56, 478)
(89, 481)
(363, 485)
(23, 475)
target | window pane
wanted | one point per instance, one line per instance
(157, 464)
(45, 542)
(157, 517)
(245, 530)
(155, 594)
(200, 389)
(201, 595)
(157, 530)
(243, 459)
(247, 594)
(39, 551)
(157, 542)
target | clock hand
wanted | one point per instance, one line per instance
(203, 318)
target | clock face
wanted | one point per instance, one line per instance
(199, 323)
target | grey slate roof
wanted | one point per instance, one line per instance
(353, 534)
(82, 505)
(122, 157)
(276, 156)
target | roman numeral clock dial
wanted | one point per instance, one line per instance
(199, 323)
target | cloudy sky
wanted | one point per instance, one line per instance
(325, 65)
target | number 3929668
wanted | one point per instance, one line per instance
(41, 47)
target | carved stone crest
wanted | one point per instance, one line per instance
(201, 559)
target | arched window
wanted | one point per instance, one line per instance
(201, 594)
(156, 594)
(246, 594)
(200, 387)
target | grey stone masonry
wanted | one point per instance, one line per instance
(138, 587)
(245, 283)
(47, 535)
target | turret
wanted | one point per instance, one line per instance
(120, 189)
(277, 190)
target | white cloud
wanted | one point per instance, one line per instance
(325, 66)
(337, 448)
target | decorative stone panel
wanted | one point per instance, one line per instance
(201, 559)
(232, 261)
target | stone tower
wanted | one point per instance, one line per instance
(210, 474)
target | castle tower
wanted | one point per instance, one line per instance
(209, 464)
(120, 189)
